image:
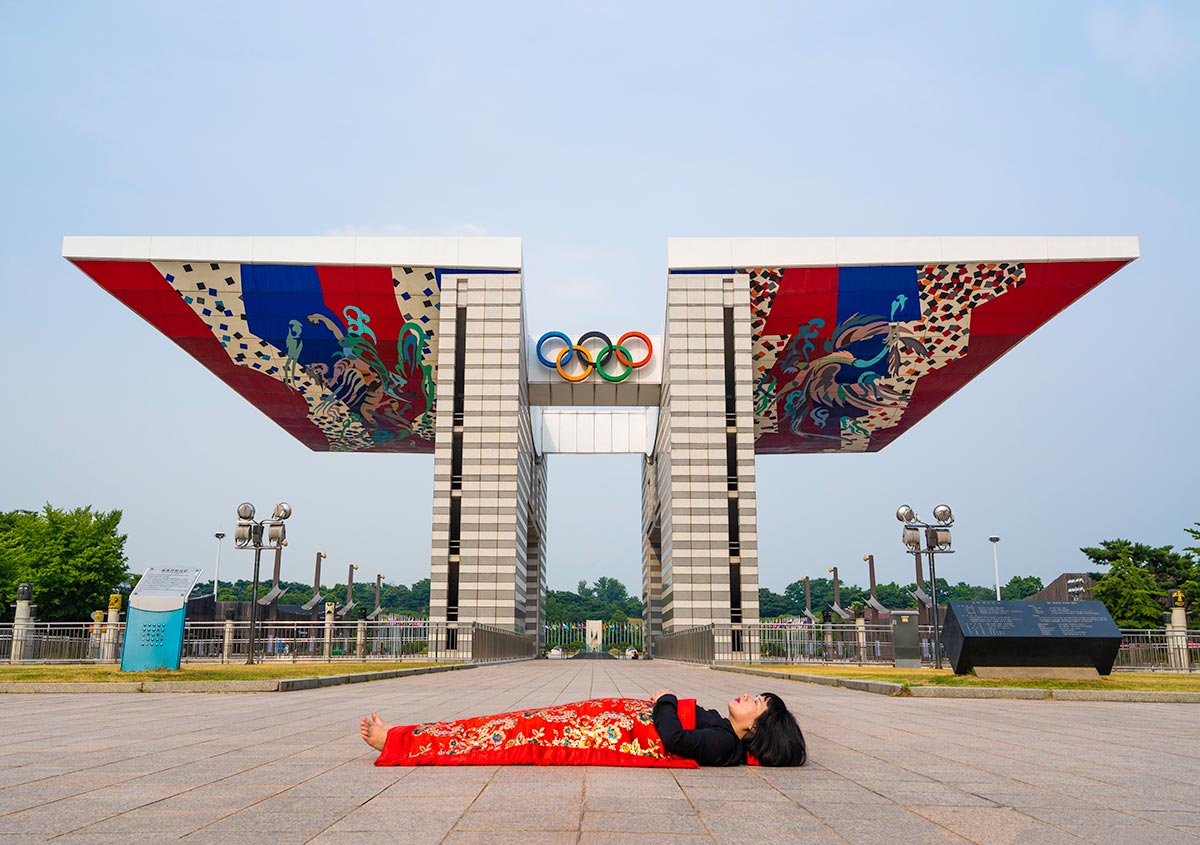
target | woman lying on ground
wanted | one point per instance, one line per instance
(663, 732)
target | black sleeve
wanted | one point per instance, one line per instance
(707, 746)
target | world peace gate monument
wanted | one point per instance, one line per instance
(767, 346)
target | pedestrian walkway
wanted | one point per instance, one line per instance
(290, 768)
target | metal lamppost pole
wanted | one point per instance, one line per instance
(937, 541)
(870, 561)
(249, 535)
(220, 535)
(256, 535)
(996, 563)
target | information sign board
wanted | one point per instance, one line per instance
(1030, 633)
(154, 626)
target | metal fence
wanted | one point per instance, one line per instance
(872, 644)
(422, 640)
(565, 635)
(277, 642)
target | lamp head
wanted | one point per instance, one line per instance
(220, 535)
(994, 539)
(282, 510)
(323, 555)
(906, 514)
(911, 538)
(245, 511)
(942, 513)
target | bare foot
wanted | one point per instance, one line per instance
(374, 730)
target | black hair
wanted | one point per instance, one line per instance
(776, 738)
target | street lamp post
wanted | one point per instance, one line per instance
(249, 535)
(220, 535)
(937, 541)
(995, 541)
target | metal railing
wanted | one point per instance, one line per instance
(573, 636)
(1158, 649)
(277, 642)
(766, 643)
(422, 640)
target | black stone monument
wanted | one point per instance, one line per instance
(1009, 635)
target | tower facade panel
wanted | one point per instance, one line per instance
(703, 463)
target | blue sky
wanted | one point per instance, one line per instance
(594, 132)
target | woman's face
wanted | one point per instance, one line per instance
(745, 709)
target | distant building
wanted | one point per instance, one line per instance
(1070, 586)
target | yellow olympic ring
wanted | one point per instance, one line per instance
(587, 356)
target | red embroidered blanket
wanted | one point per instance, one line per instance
(602, 732)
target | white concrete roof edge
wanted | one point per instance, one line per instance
(483, 253)
(724, 253)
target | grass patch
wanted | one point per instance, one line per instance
(109, 673)
(1142, 681)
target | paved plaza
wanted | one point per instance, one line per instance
(290, 768)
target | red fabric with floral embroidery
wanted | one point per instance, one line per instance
(602, 732)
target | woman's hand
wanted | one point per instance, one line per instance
(654, 698)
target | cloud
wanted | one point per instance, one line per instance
(1145, 42)
(398, 230)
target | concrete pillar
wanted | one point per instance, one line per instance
(22, 622)
(227, 645)
(108, 645)
(1177, 639)
(330, 607)
(95, 635)
(360, 639)
(860, 628)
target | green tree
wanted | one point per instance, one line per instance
(609, 591)
(1167, 567)
(1020, 586)
(771, 604)
(1191, 586)
(1131, 595)
(73, 559)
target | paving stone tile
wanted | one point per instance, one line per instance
(914, 832)
(209, 836)
(609, 837)
(392, 837)
(390, 820)
(1153, 835)
(527, 817)
(991, 825)
(641, 823)
(105, 838)
(636, 804)
(390, 802)
(764, 828)
(503, 837)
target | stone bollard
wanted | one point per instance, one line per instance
(860, 628)
(95, 634)
(22, 622)
(109, 650)
(360, 640)
(1177, 647)
(227, 645)
(330, 607)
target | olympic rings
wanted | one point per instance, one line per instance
(600, 359)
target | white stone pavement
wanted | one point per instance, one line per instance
(289, 768)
